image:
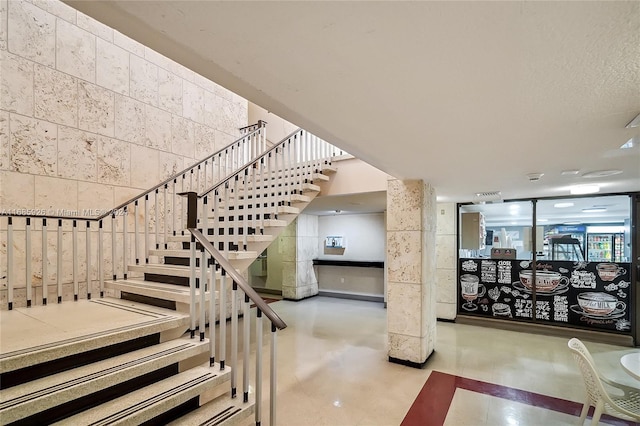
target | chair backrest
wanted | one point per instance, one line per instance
(587, 369)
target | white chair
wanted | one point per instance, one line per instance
(625, 406)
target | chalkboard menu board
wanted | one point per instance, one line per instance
(594, 295)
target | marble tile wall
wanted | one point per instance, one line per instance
(299, 246)
(411, 270)
(446, 266)
(88, 114)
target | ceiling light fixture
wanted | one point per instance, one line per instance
(634, 123)
(534, 177)
(569, 172)
(573, 223)
(594, 210)
(631, 143)
(584, 189)
(562, 205)
(601, 173)
(543, 220)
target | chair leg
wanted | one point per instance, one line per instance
(584, 412)
(597, 413)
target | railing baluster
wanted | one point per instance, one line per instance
(254, 198)
(245, 208)
(223, 318)
(59, 261)
(75, 261)
(234, 338)
(146, 229)
(101, 257)
(88, 241)
(212, 314)
(136, 245)
(183, 205)
(258, 400)
(114, 263)
(156, 222)
(197, 188)
(202, 287)
(192, 286)
(175, 206)
(246, 347)
(205, 176)
(27, 252)
(45, 262)
(10, 263)
(125, 243)
(272, 376)
(165, 235)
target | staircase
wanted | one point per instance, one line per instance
(168, 265)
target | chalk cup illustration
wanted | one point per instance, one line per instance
(545, 280)
(471, 290)
(599, 304)
(501, 310)
(609, 271)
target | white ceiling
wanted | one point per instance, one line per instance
(469, 96)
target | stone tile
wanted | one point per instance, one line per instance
(181, 71)
(56, 96)
(446, 285)
(78, 154)
(17, 190)
(16, 84)
(227, 120)
(223, 140)
(127, 43)
(54, 193)
(446, 213)
(156, 58)
(193, 102)
(57, 8)
(95, 109)
(204, 82)
(33, 33)
(446, 251)
(112, 67)
(204, 141)
(144, 167)
(407, 348)
(169, 92)
(4, 10)
(170, 164)
(95, 196)
(33, 146)
(405, 201)
(75, 51)
(5, 147)
(157, 128)
(224, 93)
(446, 310)
(404, 256)
(95, 27)
(210, 110)
(129, 120)
(404, 308)
(182, 133)
(429, 216)
(114, 162)
(143, 80)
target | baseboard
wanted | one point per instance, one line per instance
(352, 296)
(266, 290)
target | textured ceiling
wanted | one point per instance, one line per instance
(469, 96)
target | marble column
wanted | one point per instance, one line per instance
(411, 271)
(299, 246)
(446, 264)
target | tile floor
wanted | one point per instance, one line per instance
(333, 370)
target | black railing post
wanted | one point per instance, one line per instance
(192, 208)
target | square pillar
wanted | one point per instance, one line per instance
(411, 271)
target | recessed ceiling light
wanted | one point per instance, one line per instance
(569, 172)
(594, 210)
(631, 143)
(601, 173)
(573, 223)
(634, 123)
(543, 220)
(562, 205)
(584, 189)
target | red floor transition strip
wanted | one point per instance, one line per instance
(432, 403)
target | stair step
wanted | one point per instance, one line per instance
(160, 269)
(152, 401)
(309, 187)
(93, 381)
(61, 337)
(329, 169)
(222, 411)
(254, 238)
(176, 293)
(230, 255)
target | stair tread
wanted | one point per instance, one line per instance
(38, 395)
(221, 411)
(59, 334)
(174, 292)
(250, 238)
(150, 401)
(231, 255)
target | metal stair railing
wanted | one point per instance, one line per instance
(145, 220)
(241, 203)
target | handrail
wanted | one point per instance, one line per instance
(109, 212)
(237, 278)
(246, 166)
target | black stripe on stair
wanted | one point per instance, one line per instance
(222, 416)
(33, 372)
(175, 413)
(86, 402)
(154, 301)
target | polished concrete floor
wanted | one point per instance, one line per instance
(333, 370)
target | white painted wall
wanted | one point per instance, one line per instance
(364, 234)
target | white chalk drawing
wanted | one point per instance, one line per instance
(623, 325)
(525, 264)
(524, 308)
(583, 279)
(488, 271)
(543, 309)
(579, 265)
(504, 272)
(506, 289)
(621, 294)
(623, 284)
(560, 309)
(563, 270)
(494, 293)
(469, 266)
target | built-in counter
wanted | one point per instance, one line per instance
(361, 280)
(588, 295)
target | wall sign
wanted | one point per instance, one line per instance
(334, 241)
(584, 294)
